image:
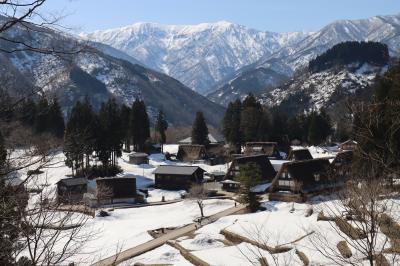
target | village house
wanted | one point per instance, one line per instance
(230, 185)
(262, 161)
(138, 158)
(297, 179)
(211, 154)
(212, 137)
(348, 145)
(266, 148)
(341, 165)
(175, 177)
(299, 155)
(191, 153)
(71, 190)
(118, 189)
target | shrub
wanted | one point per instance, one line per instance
(348, 229)
(303, 257)
(344, 249)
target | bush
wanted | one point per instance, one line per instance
(103, 213)
(344, 249)
(348, 229)
(303, 257)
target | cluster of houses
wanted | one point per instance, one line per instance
(287, 178)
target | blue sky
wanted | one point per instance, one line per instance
(271, 15)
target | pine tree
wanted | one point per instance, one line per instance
(125, 120)
(140, 125)
(161, 127)
(249, 176)
(200, 130)
(314, 131)
(41, 121)
(231, 125)
(250, 118)
(28, 112)
(55, 119)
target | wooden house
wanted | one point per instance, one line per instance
(138, 158)
(214, 138)
(71, 190)
(175, 177)
(119, 189)
(302, 178)
(349, 145)
(191, 153)
(341, 165)
(262, 161)
(299, 155)
(266, 148)
(230, 185)
(216, 154)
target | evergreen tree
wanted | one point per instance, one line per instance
(231, 124)
(200, 130)
(314, 131)
(264, 126)
(250, 118)
(55, 119)
(125, 120)
(140, 125)
(250, 176)
(28, 112)
(111, 133)
(161, 127)
(41, 121)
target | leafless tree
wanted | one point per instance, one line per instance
(198, 193)
(51, 233)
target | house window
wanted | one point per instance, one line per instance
(317, 177)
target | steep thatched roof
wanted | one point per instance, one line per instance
(267, 148)
(188, 153)
(299, 155)
(312, 174)
(267, 170)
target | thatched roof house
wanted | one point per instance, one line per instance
(214, 138)
(299, 155)
(191, 152)
(177, 177)
(348, 145)
(262, 161)
(304, 177)
(342, 164)
(266, 148)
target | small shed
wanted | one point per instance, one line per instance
(299, 155)
(177, 177)
(119, 189)
(266, 148)
(230, 185)
(349, 145)
(267, 170)
(191, 153)
(71, 190)
(303, 177)
(139, 158)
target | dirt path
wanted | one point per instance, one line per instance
(157, 242)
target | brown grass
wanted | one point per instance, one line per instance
(309, 212)
(322, 217)
(344, 249)
(380, 260)
(348, 229)
(303, 257)
(392, 230)
(263, 261)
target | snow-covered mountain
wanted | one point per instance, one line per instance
(93, 72)
(200, 55)
(328, 89)
(292, 57)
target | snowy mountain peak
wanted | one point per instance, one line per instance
(198, 55)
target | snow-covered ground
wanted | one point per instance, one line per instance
(280, 224)
(126, 228)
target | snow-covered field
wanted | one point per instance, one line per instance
(280, 224)
(126, 228)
